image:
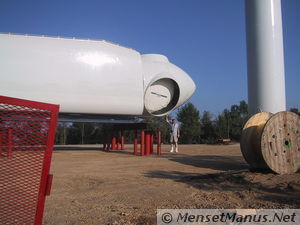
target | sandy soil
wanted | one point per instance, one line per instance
(91, 186)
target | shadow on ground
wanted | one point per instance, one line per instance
(87, 148)
(223, 163)
(253, 190)
(76, 148)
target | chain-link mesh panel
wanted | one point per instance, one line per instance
(24, 139)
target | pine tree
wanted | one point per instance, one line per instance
(208, 129)
(190, 129)
(295, 110)
(159, 124)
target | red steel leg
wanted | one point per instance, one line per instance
(119, 140)
(122, 141)
(142, 142)
(135, 147)
(151, 143)
(49, 184)
(147, 143)
(158, 143)
(113, 141)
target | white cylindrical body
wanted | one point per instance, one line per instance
(81, 76)
(90, 77)
(265, 56)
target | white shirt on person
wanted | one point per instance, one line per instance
(175, 128)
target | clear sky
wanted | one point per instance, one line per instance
(206, 38)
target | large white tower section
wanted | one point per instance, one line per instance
(266, 82)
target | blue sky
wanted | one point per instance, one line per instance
(206, 38)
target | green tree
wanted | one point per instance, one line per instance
(208, 128)
(223, 125)
(230, 123)
(238, 117)
(243, 109)
(159, 124)
(235, 122)
(295, 110)
(74, 134)
(61, 133)
(190, 129)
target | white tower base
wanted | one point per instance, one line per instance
(266, 83)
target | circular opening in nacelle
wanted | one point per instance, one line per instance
(161, 96)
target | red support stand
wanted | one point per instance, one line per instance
(158, 143)
(151, 142)
(142, 142)
(122, 141)
(135, 147)
(118, 143)
(117, 140)
(135, 143)
(113, 141)
(147, 142)
(49, 184)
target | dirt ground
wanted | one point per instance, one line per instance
(92, 186)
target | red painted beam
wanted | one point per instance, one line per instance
(158, 143)
(122, 141)
(147, 142)
(142, 148)
(151, 142)
(113, 141)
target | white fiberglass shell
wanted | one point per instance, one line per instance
(90, 77)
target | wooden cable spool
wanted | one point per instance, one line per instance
(272, 141)
(251, 139)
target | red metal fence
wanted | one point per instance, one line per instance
(27, 131)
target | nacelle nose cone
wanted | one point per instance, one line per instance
(166, 85)
(188, 89)
(186, 85)
(155, 58)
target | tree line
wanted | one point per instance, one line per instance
(206, 129)
(195, 127)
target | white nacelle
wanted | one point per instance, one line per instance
(90, 77)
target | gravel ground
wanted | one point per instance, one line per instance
(92, 186)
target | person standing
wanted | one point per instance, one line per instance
(175, 133)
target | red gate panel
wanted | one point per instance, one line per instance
(27, 131)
